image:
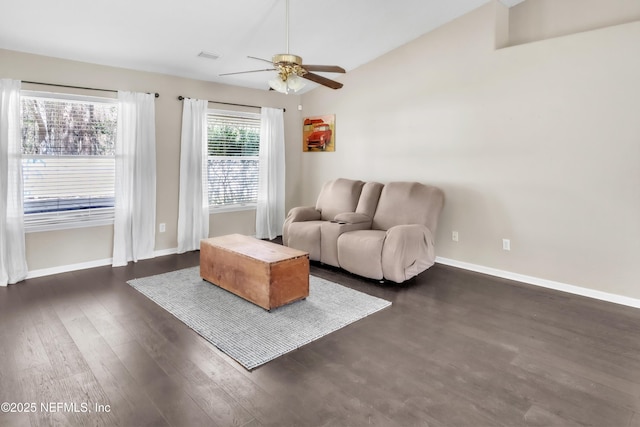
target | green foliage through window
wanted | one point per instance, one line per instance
(227, 137)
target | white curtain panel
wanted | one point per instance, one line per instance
(13, 264)
(193, 205)
(270, 210)
(135, 193)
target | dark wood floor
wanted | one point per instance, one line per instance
(455, 349)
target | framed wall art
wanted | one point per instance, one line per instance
(319, 133)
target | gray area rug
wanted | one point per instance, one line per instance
(246, 332)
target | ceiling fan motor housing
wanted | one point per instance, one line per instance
(286, 59)
(288, 65)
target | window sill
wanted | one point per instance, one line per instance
(66, 226)
(231, 208)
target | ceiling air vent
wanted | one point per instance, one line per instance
(208, 55)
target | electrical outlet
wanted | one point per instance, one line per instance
(162, 227)
(506, 244)
(454, 236)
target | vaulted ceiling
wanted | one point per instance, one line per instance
(166, 36)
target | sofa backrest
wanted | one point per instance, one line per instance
(403, 203)
(338, 196)
(369, 198)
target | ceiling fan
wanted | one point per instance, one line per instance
(291, 70)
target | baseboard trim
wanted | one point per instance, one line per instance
(536, 281)
(89, 264)
(67, 268)
(164, 252)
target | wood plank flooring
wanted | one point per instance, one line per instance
(455, 349)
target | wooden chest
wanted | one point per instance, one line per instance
(265, 273)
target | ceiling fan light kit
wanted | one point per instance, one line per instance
(291, 70)
(289, 73)
(289, 84)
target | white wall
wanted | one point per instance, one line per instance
(534, 20)
(50, 250)
(537, 143)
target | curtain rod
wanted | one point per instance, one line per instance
(180, 98)
(77, 87)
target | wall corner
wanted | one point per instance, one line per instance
(501, 24)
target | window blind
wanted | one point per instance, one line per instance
(233, 147)
(68, 161)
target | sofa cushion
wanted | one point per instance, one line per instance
(338, 196)
(360, 252)
(330, 231)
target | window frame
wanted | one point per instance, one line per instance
(238, 207)
(70, 219)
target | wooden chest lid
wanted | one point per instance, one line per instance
(254, 248)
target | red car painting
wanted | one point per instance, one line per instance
(320, 137)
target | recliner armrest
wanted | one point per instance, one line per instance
(409, 237)
(298, 214)
(407, 251)
(352, 218)
(303, 213)
(409, 231)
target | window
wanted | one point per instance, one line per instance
(233, 145)
(68, 161)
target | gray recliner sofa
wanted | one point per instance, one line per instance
(389, 233)
(303, 225)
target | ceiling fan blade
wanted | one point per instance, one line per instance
(323, 81)
(260, 59)
(245, 72)
(324, 68)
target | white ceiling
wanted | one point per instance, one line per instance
(166, 36)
